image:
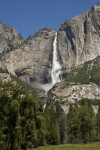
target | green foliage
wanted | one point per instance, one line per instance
(20, 36)
(88, 72)
(24, 124)
(2, 70)
(81, 123)
(23, 121)
(90, 146)
(90, 101)
(22, 83)
(17, 119)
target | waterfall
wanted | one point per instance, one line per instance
(55, 70)
(56, 67)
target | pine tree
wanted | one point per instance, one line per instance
(98, 124)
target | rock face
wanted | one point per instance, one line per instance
(32, 60)
(5, 77)
(9, 38)
(67, 95)
(79, 39)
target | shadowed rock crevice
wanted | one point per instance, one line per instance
(85, 27)
(70, 36)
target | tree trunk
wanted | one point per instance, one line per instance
(24, 147)
(64, 131)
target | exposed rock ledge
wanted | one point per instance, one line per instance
(5, 77)
(69, 94)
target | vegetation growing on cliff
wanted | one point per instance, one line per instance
(86, 73)
(2, 70)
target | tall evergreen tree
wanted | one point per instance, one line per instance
(98, 124)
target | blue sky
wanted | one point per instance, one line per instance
(28, 16)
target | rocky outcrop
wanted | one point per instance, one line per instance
(9, 39)
(79, 39)
(5, 77)
(69, 94)
(32, 60)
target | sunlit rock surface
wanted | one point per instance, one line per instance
(67, 95)
(79, 38)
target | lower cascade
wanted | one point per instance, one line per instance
(55, 71)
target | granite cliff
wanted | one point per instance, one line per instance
(79, 38)
(9, 39)
(31, 61)
(78, 41)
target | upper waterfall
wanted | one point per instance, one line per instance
(55, 70)
(56, 67)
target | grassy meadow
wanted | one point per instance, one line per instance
(92, 146)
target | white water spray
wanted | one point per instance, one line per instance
(56, 67)
(55, 71)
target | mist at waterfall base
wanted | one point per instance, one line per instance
(55, 71)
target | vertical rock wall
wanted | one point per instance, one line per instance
(79, 38)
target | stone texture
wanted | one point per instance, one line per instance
(9, 38)
(79, 39)
(70, 94)
(32, 60)
(5, 77)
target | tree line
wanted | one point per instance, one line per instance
(24, 124)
